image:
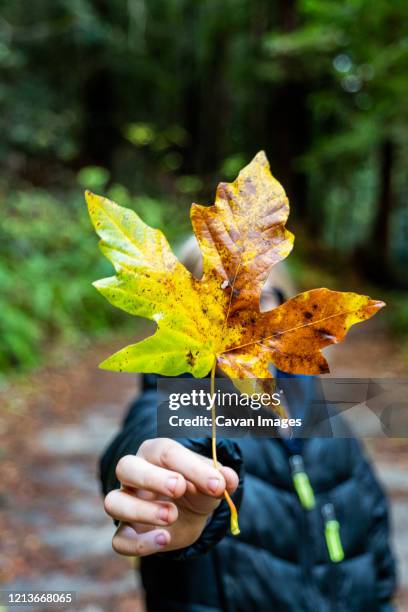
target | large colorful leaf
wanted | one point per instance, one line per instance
(218, 318)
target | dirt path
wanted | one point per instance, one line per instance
(370, 352)
(53, 531)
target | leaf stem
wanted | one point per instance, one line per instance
(234, 514)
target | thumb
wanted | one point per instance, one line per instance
(201, 503)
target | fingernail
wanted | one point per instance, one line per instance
(161, 539)
(172, 483)
(163, 514)
(128, 532)
(213, 484)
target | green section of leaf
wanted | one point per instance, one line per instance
(150, 282)
(167, 352)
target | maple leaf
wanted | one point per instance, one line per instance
(217, 319)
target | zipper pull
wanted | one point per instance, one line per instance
(301, 483)
(332, 534)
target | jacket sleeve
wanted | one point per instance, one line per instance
(140, 425)
(387, 607)
(379, 529)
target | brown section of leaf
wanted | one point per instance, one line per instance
(243, 234)
(293, 335)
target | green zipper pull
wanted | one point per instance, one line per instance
(332, 534)
(301, 483)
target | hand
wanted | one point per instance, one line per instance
(167, 494)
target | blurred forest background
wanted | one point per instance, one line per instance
(152, 103)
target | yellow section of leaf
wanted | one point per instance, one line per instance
(150, 282)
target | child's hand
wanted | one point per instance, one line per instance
(165, 484)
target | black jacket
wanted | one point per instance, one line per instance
(279, 562)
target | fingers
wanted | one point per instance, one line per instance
(164, 469)
(201, 503)
(163, 466)
(231, 478)
(127, 541)
(126, 507)
(173, 456)
(136, 472)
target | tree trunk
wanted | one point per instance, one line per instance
(381, 228)
(100, 134)
(288, 122)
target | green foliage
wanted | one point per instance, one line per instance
(232, 164)
(161, 97)
(93, 177)
(352, 59)
(44, 241)
(140, 134)
(189, 184)
(48, 261)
